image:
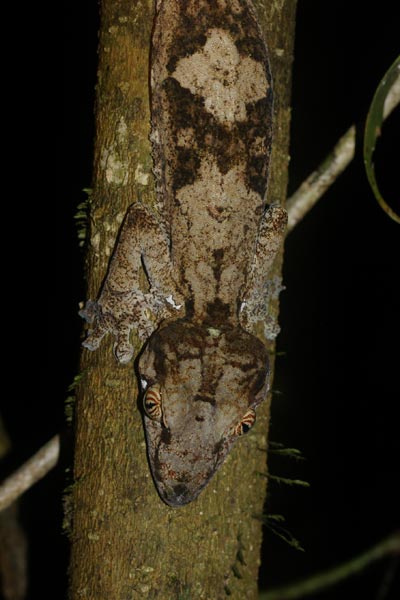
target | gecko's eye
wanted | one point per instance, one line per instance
(246, 423)
(152, 402)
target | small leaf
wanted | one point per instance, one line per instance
(276, 444)
(288, 481)
(273, 522)
(277, 518)
(277, 392)
(281, 450)
(69, 409)
(228, 591)
(236, 572)
(375, 118)
(240, 557)
(81, 217)
(75, 382)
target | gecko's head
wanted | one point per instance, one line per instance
(201, 389)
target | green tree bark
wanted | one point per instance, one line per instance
(126, 543)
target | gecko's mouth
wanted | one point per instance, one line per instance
(178, 494)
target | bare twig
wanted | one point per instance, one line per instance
(311, 190)
(29, 473)
(390, 546)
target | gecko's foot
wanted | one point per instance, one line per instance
(90, 311)
(92, 314)
(103, 323)
(118, 319)
(92, 342)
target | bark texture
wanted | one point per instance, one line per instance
(126, 543)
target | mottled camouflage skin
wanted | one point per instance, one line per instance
(208, 253)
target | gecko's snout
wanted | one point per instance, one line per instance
(177, 495)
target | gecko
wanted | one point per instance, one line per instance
(207, 248)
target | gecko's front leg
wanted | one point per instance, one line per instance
(122, 305)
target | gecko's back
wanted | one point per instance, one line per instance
(212, 98)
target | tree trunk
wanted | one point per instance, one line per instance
(126, 543)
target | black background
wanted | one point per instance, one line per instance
(338, 379)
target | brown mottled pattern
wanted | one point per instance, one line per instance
(212, 121)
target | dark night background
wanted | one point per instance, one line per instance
(338, 378)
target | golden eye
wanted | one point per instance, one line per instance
(246, 423)
(152, 403)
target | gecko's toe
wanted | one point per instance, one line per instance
(92, 342)
(123, 352)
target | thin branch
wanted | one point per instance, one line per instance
(390, 546)
(29, 473)
(311, 190)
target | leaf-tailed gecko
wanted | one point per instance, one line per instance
(207, 252)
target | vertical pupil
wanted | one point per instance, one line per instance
(245, 427)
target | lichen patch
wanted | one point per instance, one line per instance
(115, 169)
(141, 176)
